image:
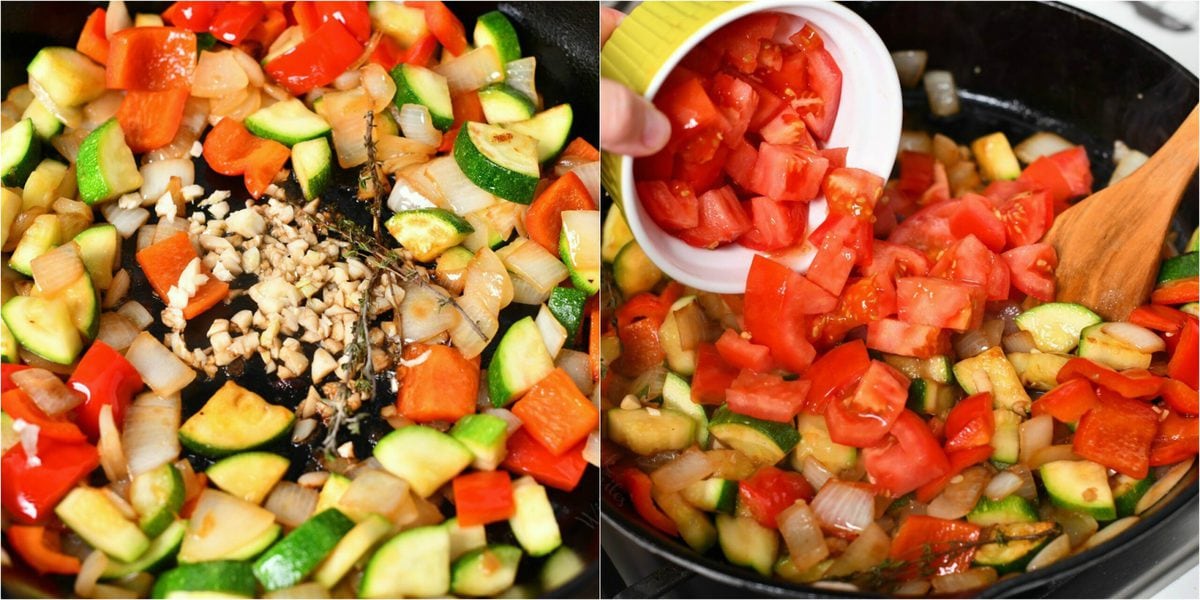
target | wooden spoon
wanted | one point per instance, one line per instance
(1109, 245)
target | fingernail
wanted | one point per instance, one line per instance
(656, 129)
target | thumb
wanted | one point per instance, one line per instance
(630, 124)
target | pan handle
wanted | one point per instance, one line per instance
(658, 583)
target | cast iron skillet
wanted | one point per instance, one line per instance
(1020, 67)
(563, 37)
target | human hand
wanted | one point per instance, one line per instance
(629, 123)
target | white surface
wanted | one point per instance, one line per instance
(1185, 48)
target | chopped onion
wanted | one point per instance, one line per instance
(591, 450)
(1052, 553)
(253, 70)
(461, 193)
(47, 391)
(963, 581)
(424, 313)
(1021, 341)
(915, 587)
(380, 86)
(528, 260)
(346, 112)
(815, 472)
(1127, 165)
(514, 422)
(70, 116)
(236, 106)
(96, 112)
(589, 174)
(975, 341)
(1135, 336)
(554, 335)
(96, 562)
(472, 70)
(1042, 143)
(136, 313)
(844, 507)
(1164, 485)
(520, 75)
(164, 372)
(156, 176)
(145, 236)
(118, 501)
(406, 196)
(292, 503)
(649, 384)
(961, 494)
(910, 65)
(218, 75)
(578, 366)
(347, 80)
(526, 293)
(303, 429)
(116, 18)
(151, 436)
(471, 340)
(28, 433)
(687, 468)
(1035, 434)
(195, 119)
(1051, 454)
(942, 92)
(916, 141)
(866, 551)
(487, 279)
(377, 491)
(416, 123)
(802, 535)
(1003, 485)
(126, 220)
(112, 453)
(222, 524)
(57, 268)
(1078, 526)
(1110, 531)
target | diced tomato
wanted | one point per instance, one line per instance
(831, 266)
(1027, 217)
(916, 172)
(673, 213)
(1178, 438)
(934, 546)
(722, 219)
(642, 306)
(1128, 384)
(741, 353)
(713, 376)
(863, 418)
(906, 458)
(638, 485)
(640, 348)
(701, 162)
(895, 260)
(770, 57)
(906, 339)
(1181, 398)
(736, 100)
(787, 128)
(836, 156)
(769, 105)
(959, 460)
(939, 303)
(852, 192)
(1064, 175)
(527, 456)
(1002, 190)
(1076, 169)
(825, 80)
(969, 261)
(739, 166)
(790, 80)
(770, 491)
(687, 105)
(861, 302)
(975, 217)
(739, 41)
(834, 374)
(1118, 434)
(483, 497)
(971, 423)
(788, 172)
(774, 224)
(1067, 402)
(777, 299)
(766, 396)
(807, 38)
(1184, 362)
(1032, 269)
(927, 230)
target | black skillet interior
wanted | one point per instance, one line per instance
(1021, 67)
(563, 37)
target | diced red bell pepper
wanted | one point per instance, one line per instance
(32, 489)
(1177, 292)
(230, 149)
(638, 485)
(934, 546)
(543, 220)
(556, 413)
(93, 41)
(443, 24)
(1159, 318)
(151, 118)
(713, 376)
(443, 387)
(1132, 383)
(767, 396)
(1068, 401)
(835, 373)
(1178, 438)
(316, 61)
(151, 58)
(104, 378)
(235, 20)
(421, 52)
(268, 29)
(20, 406)
(527, 456)
(770, 491)
(483, 497)
(311, 15)
(1181, 398)
(193, 16)
(40, 548)
(971, 423)
(1118, 434)
(164, 261)
(1186, 360)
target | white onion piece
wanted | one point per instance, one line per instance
(118, 501)
(514, 422)
(589, 174)
(469, 340)
(487, 279)
(942, 92)
(151, 436)
(96, 562)
(406, 196)
(960, 496)
(112, 453)
(1021, 341)
(218, 75)
(915, 587)
(102, 109)
(916, 141)
(461, 193)
(380, 86)
(591, 450)
(815, 472)
(68, 143)
(136, 313)
(1042, 143)
(866, 551)
(416, 124)
(802, 535)
(1028, 489)
(291, 503)
(1163, 486)
(1003, 485)
(126, 220)
(28, 433)
(47, 391)
(472, 70)
(424, 313)
(57, 268)
(1035, 434)
(221, 524)
(910, 65)
(687, 468)
(116, 18)
(525, 293)
(521, 75)
(156, 176)
(1052, 553)
(1078, 526)
(844, 507)
(377, 491)
(1135, 336)
(528, 260)
(1110, 531)
(1127, 165)
(554, 335)
(649, 385)
(253, 70)
(347, 80)
(971, 579)
(1051, 454)
(70, 116)
(164, 372)
(578, 365)
(975, 341)
(145, 236)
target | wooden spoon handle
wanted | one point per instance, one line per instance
(1172, 166)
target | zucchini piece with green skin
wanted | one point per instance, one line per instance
(615, 235)
(20, 153)
(418, 85)
(1038, 370)
(634, 272)
(996, 158)
(567, 304)
(647, 433)
(786, 569)
(415, 563)
(10, 207)
(991, 366)
(521, 360)
(1184, 266)
(929, 397)
(427, 232)
(694, 526)
(355, 545)
(495, 30)
(1102, 348)
(938, 369)
(289, 123)
(100, 251)
(464, 539)
(815, 442)
(235, 420)
(292, 558)
(746, 543)
(69, 78)
(1006, 440)
(1008, 553)
(485, 436)
(312, 163)
(218, 578)
(1010, 509)
(1127, 491)
(9, 346)
(1081, 486)
(105, 167)
(42, 236)
(82, 302)
(502, 103)
(485, 572)
(331, 491)
(257, 545)
(90, 513)
(1055, 326)
(677, 395)
(712, 495)
(423, 456)
(501, 161)
(162, 549)
(44, 122)
(248, 475)
(579, 248)
(44, 327)
(533, 521)
(550, 128)
(157, 496)
(562, 566)
(764, 442)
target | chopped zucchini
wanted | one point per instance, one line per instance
(938, 368)
(292, 558)
(1010, 509)
(504, 104)
(418, 85)
(1055, 326)
(44, 122)
(1184, 266)
(747, 543)
(44, 327)
(105, 167)
(289, 123)
(1006, 441)
(1008, 553)
(355, 545)
(312, 162)
(234, 420)
(415, 563)
(214, 579)
(424, 457)
(41, 187)
(20, 152)
(503, 162)
(485, 436)
(405, 24)
(990, 371)
(694, 527)
(427, 232)
(495, 30)
(567, 304)
(1127, 492)
(634, 272)
(1038, 370)
(485, 572)
(248, 475)
(521, 360)
(1098, 346)
(533, 522)
(69, 78)
(677, 395)
(42, 236)
(764, 442)
(815, 442)
(550, 128)
(1080, 486)
(162, 549)
(995, 157)
(100, 250)
(580, 249)
(648, 431)
(92, 515)
(157, 496)
(615, 235)
(712, 495)
(929, 397)
(82, 302)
